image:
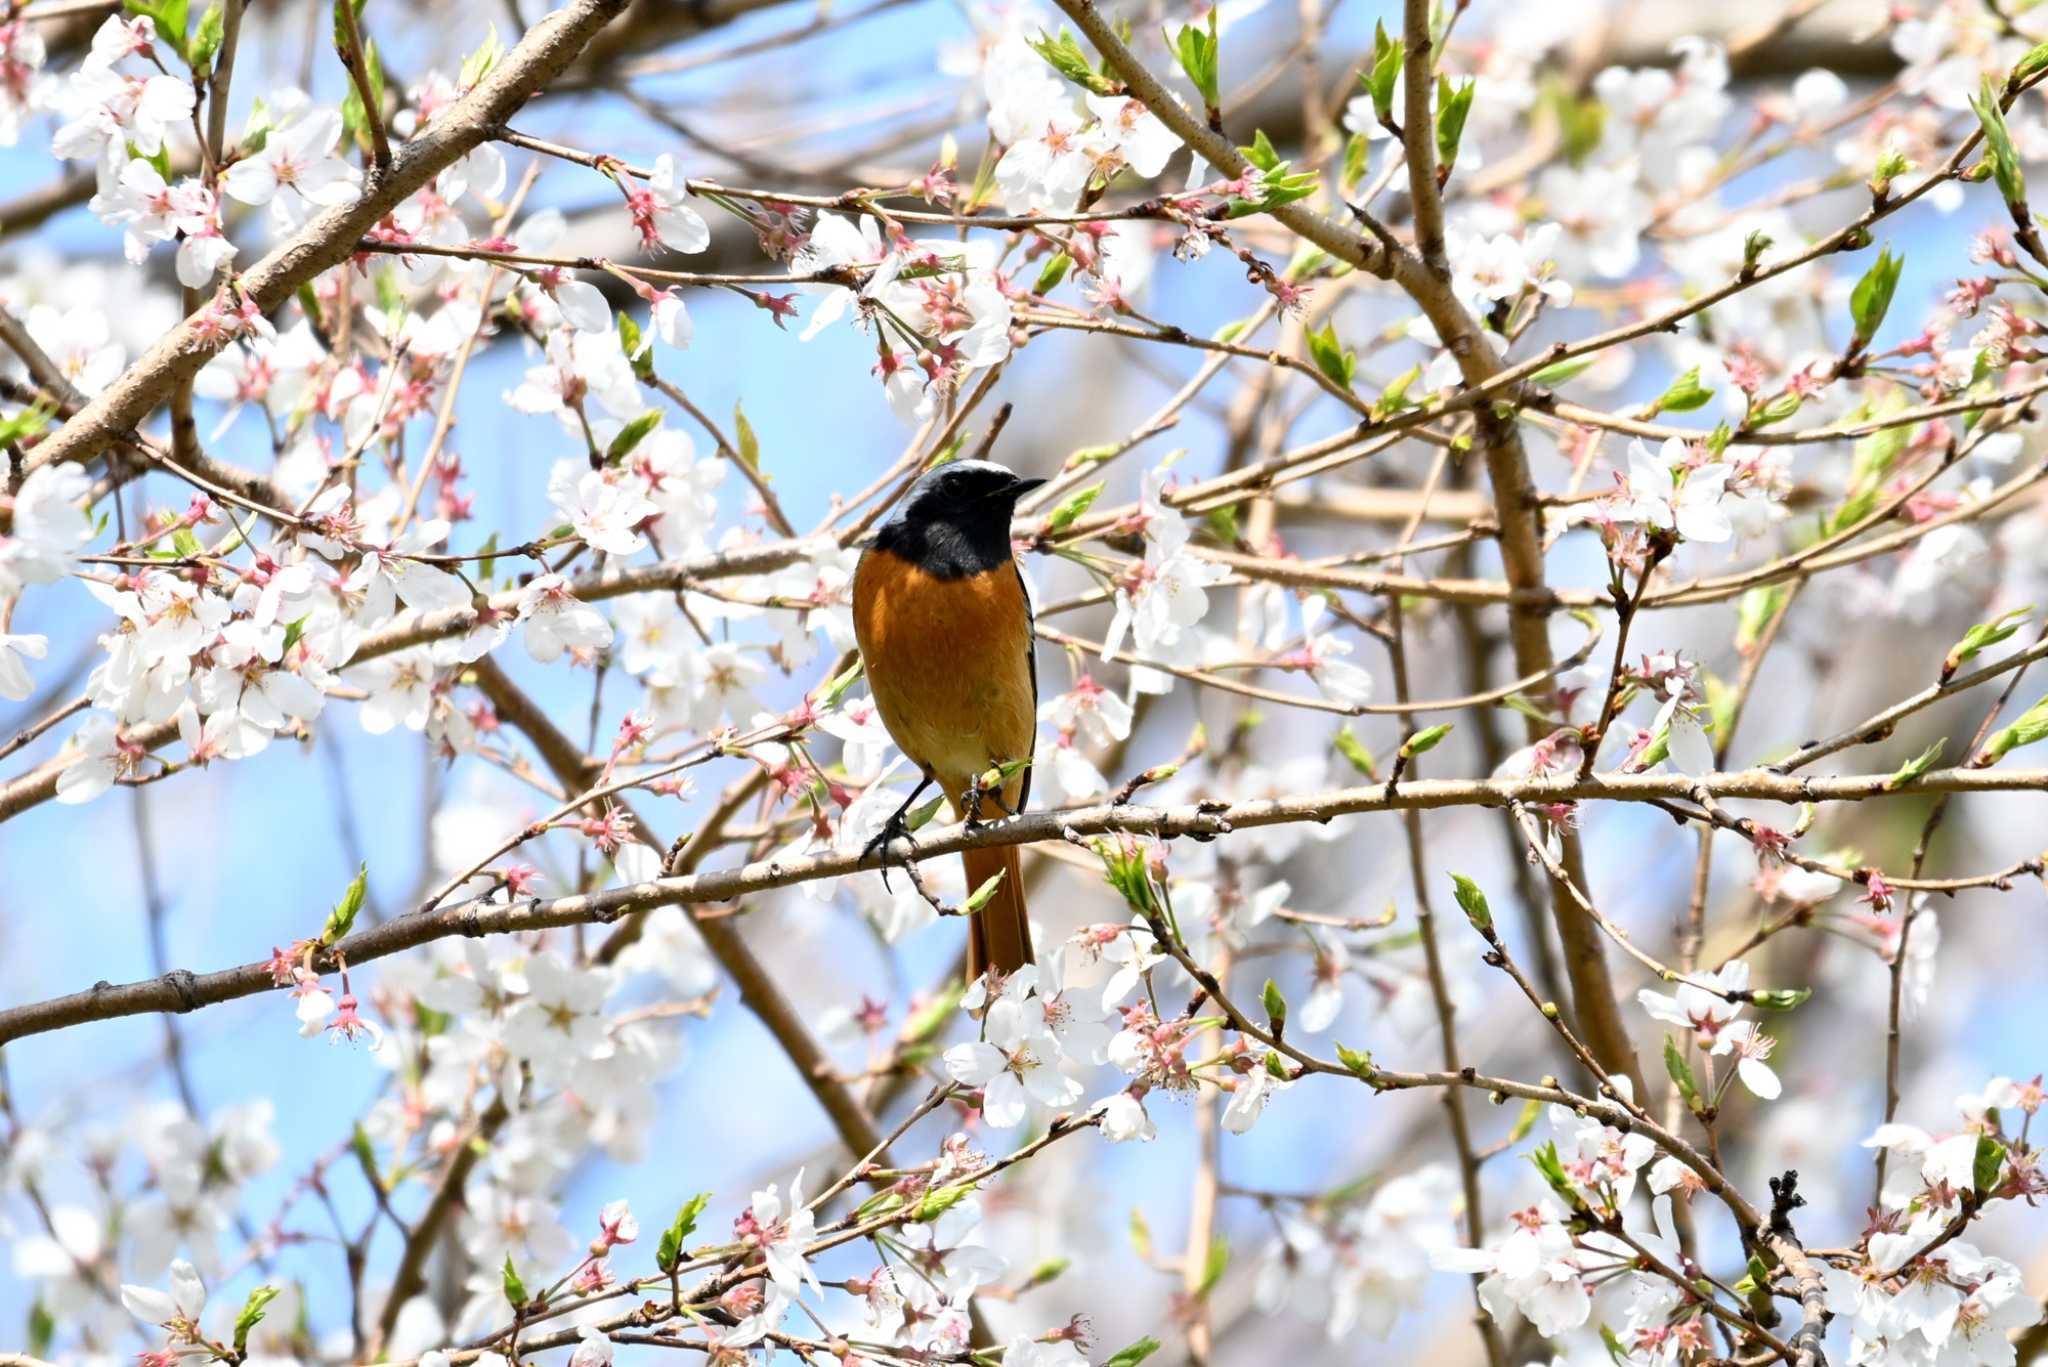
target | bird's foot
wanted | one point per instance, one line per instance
(987, 788)
(895, 828)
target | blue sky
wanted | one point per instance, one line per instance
(251, 854)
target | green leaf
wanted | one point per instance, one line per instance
(344, 914)
(2033, 63)
(1544, 1156)
(1998, 148)
(1385, 70)
(479, 64)
(42, 1328)
(1134, 1354)
(1916, 766)
(29, 422)
(1532, 1111)
(1982, 635)
(1222, 523)
(984, 894)
(1873, 296)
(1141, 1234)
(670, 1251)
(1219, 1247)
(1425, 740)
(207, 39)
(1337, 364)
(743, 432)
(1275, 1004)
(1045, 1273)
(1776, 411)
(170, 18)
(1070, 510)
(1473, 902)
(1065, 56)
(631, 435)
(1394, 398)
(1755, 613)
(515, 1290)
(939, 1200)
(1357, 158)
(1985, 1166)
(1353, 749)
(631, 342)
(1563, 370)
(2032, 726)
(1683, 394)
(1357, 1060)
(1582, 122)
(1452, 108)
(1681, 1073)
(1054, 271)
(354, 118)
(1780, 998)
(1197, 51)
(252, 1314)
(487, 558)
(1262, 153)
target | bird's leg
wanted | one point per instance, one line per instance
(988, 787)
(896, 828)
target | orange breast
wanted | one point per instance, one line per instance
(949, 663)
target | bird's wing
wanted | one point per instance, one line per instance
(1030, 663)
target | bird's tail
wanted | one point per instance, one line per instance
(1000, 933)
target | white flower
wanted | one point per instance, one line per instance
(80, 342)
(50, 527)
(1819, 92)
(1135, 133)
(1693, 509)
(1323, 655)
(22, 53)
(1165, 594)
(1024, 1352)
(1751, 1047)
(296, 171)
(15, 681)
(1124, 1118)
(593, 1349)
(1248, 1099)
(664, 215)
(603, 507)
(1535, 1270)
(780, 1229)
(182, 1304)
(106, 113)
(102, 758)
(1698, 1007)
(582, 365)
(1018, 1062)
(556, 620)
(316, 1006)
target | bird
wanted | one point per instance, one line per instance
(945, 633)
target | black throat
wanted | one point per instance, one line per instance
(951, 547)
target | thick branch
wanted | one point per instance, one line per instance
(185, 991)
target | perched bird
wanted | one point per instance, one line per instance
(945, 631)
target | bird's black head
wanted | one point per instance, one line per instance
(955, 521)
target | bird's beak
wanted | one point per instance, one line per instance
(1024, 486)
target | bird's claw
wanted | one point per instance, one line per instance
(894, 829)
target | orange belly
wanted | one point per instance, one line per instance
(949, 664)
